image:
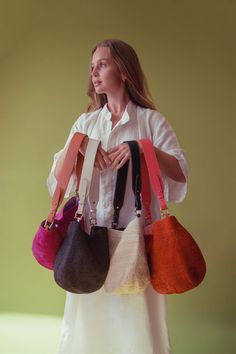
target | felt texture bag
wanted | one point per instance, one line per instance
(82, 262)
(52, 231)
(175, 260)
(48, 240)
(128, 272)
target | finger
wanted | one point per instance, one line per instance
(113, 156)
(117, 160)
(113, 149)
(106, 158)
(105, 155)
(120, 147)
(119, 151)
(100, 160)
(122, 162)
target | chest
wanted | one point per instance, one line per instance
(112, 136)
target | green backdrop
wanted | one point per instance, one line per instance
(187, 51)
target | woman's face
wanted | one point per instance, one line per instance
(106, 77)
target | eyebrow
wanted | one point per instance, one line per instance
(100, 60)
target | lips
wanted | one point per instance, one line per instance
(96, 83)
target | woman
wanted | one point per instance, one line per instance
(120, 110)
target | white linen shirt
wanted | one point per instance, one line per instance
(136, 122)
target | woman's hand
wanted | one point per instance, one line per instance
(119, 155)
(102, 159)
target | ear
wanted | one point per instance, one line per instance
(123, 77)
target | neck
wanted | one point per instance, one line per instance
(117, 103)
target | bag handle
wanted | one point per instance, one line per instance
(121, 183)
(136, 174)
(94, 196)
(71, 155)
(154, 173)
(119, 193)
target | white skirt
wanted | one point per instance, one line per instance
(102, 323)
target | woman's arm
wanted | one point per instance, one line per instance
(170, 166)
(168, 163)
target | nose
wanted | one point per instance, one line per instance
(94, 71)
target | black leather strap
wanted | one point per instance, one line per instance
(119, 193)
(121, 183)
(136, 174)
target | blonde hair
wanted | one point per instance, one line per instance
(128, 63)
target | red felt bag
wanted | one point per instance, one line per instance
(176, 262)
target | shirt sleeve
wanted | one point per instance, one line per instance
(165, 139)
(51, 180)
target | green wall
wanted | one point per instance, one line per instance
(187, 50)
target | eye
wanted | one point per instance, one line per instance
(103, 65)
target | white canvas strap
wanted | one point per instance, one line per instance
(94, 196)
(86, 175)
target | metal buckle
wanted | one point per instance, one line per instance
(114, 225)
(48, 225)
(164, 212)
(93, 220)
(78, 216)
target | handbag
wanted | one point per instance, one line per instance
(175, 260)
(82, 262)
(52, 231)
(128, 272)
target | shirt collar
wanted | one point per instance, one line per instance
(127, 115)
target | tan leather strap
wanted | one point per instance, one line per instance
(66, 171)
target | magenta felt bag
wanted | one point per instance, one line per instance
(52, 231)
(47, 241)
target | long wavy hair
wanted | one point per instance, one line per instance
(128, 63)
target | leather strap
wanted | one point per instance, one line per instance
(66, 171)
(146, 192)
(119, 193)
(136, 175)
(121, 183)
(154, 171)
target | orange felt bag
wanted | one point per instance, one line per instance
(176, 262)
